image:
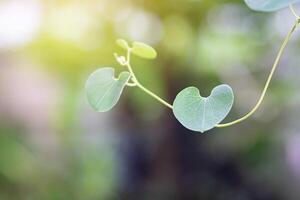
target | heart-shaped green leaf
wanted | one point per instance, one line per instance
(269, 5)
(203, 113)
(104, 90)
(143, 50)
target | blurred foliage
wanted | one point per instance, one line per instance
(53, 146)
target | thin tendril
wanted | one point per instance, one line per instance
(282, 48)
(137, 83)
(131, 84)
(294, 12)
(154, 96)
(274, 67)
(134, 79)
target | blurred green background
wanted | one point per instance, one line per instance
(53, 146)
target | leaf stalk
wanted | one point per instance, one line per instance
(136, 83)
(267, 84)
(139, 85)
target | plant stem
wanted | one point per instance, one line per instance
(131, 84)
(134, 79)
(154, 96)
(282, 48)
(139, 85)
(294, 12)
(267, 84)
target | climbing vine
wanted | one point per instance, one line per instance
(193, 111)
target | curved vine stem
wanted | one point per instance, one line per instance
(282, 48)
(136, 83)
(294, 12)
(139, 85)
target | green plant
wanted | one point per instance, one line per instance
(193, 111)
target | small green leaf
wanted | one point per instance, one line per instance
(104, 90)
(203, 113)
(123, 44)
(143, 50)
(269, 5)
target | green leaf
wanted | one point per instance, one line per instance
(203, 113)
(143, 50)
(104, 90)
(123, 44)
(269, 5)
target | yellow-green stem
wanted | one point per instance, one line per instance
(279, 55)
(294, 11)
(139, 85)
(282, 48)
(154, 96)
